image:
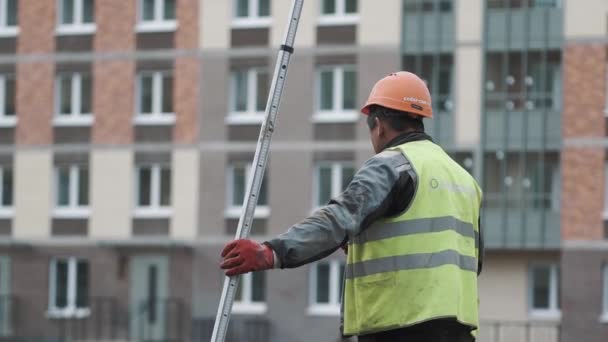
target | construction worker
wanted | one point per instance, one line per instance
(409, 221)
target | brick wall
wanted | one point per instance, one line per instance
(583, 117)
(35, 79)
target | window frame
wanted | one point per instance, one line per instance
(71, 310)
(73, 209)
(251, 115)
(337, 114)
(234, 211)
(78, 26)
(333, 307)
(337, 177)
(553, 313)
(339, 17)
(155, 209)
(5, 30)
(5, 119)
(157, 116)
(251, 21)
(158, 24)
(6, 211)
(248, 306)
(75, 118)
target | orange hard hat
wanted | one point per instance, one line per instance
(402, 91)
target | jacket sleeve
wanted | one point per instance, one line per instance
(345, 216)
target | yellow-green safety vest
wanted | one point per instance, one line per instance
(422, 264)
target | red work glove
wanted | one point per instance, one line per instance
(242, 256)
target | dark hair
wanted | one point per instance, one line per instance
(397, 120)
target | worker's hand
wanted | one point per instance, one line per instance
(242, 256)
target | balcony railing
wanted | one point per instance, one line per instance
(240, 329)
(501, 331)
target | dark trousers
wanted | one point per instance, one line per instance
(432, 331)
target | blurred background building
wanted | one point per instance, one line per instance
(127, 129)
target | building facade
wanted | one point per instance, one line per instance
(127, 130)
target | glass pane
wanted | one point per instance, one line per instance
(322, 283)
(67, 11)
(152, 293)
(165, 187)
(263, 199)
(350, 90)
(262, 91)
(238, 185)
(88, 11)
(264, 9)
(83, 186)
(347, 175)
(445, 81)
(540, 291)
(146, 94)
(63, 186)
(148, 10)
(351, 6)
(324, 190)
(12, 13)
(167, 94)
(242, 8)
(86, 92)
(9, 96)
(240, 91)
(7, 187)
(327, 90)
(258, 287)
(145, 180)
(65, 95)
(169, 10)
(329, 7)
(341, 282)
(82, 284)
(61, 284)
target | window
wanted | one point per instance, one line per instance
(238, 175)
(336, 94)
(153, 193)
(6, 191)
(7, 100)
(502, 4)
(8, 17)
(251, 294)
(251, 13)
(157, 15)
(155, 98)
(604, 317)
(69, 288)
(73, 99)
(427, 6)
(326, 283)
(330, 180)
(76, 16)
(71, 191)
(248, 95)
(338, 12)
(544, 291)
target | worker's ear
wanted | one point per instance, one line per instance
(380, 125)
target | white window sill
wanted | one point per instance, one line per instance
(604, 318)
(156, 26)
(239, 23)
(153, 213)
(71, 213)
(261, 212)
(249, 308)
(69, 313)
(7, 212)
(8, 121)
(338, 20)
(545, 315)
(245, 118)
(335, 117)
(68, 30)
(69, 120)
(9, 31)
(323, 310)
(154, 119)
